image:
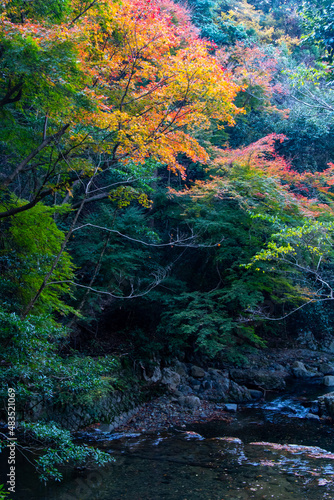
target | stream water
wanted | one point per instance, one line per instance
(270, 450)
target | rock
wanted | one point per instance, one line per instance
(326, 369)
(327, 343)
(181, 369)
(214, 373)
(184, 390)
(194, 383)
(265, 379)
(197, 372)
(207, 384)
(307, 340)
(255, 394)
(231, 407)
(300, 371)
(311, 416)
(177, 394)
(328, 380)
(155, 377)
(189, 401)
(326, 404)
(170, 378)
(238, 394)
(220, 382)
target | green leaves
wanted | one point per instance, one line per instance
(319, 25)
(36, 370)
(28, 246)
(205, 322)
(60, 450)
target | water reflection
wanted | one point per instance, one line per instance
(265, 453)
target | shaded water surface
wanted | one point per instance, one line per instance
(270, 451)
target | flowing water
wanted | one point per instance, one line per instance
(270, 450)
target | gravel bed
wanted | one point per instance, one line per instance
(163, 413)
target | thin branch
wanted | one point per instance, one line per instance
(27, 206)
(110, 294)
(263, 316)
(9, 98)
(178, 242)
(45, 127)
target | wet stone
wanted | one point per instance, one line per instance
(328, 380)
(231, 407)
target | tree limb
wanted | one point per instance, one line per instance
(8, 98)
(27, 206)
(83, 12)
(23, 163)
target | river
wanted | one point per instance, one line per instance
(270, 450)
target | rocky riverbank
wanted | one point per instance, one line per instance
(195, 393)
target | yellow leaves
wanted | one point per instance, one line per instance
(155, 87)
(288, 41)
(125, 194)
(147, 81)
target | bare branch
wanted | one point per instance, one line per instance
(9, 98)
(177, 242)
(257, 313)
(132, 295)
(62, 249)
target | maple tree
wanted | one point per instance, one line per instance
(290, 212)
(130, 81)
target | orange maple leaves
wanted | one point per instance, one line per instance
(160, 83)
(152, 83)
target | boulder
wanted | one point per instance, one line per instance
(220, 380)
(184, 390)
(189, 401)
(328, 380)
(300, 371)
(326, 369)
(265, 379)
(197, 372)
(327, 344)
(181, 369)
(255, 394)
(231, 407)
(194, 383)
(307, 340)
(207, 384)
(311, 416)
(170, 378)
(154, 377)
(238, 394)
(214, 373)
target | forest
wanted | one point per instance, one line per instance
(166, 192)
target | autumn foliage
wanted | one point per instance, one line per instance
(140, 82)
(258, 173)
